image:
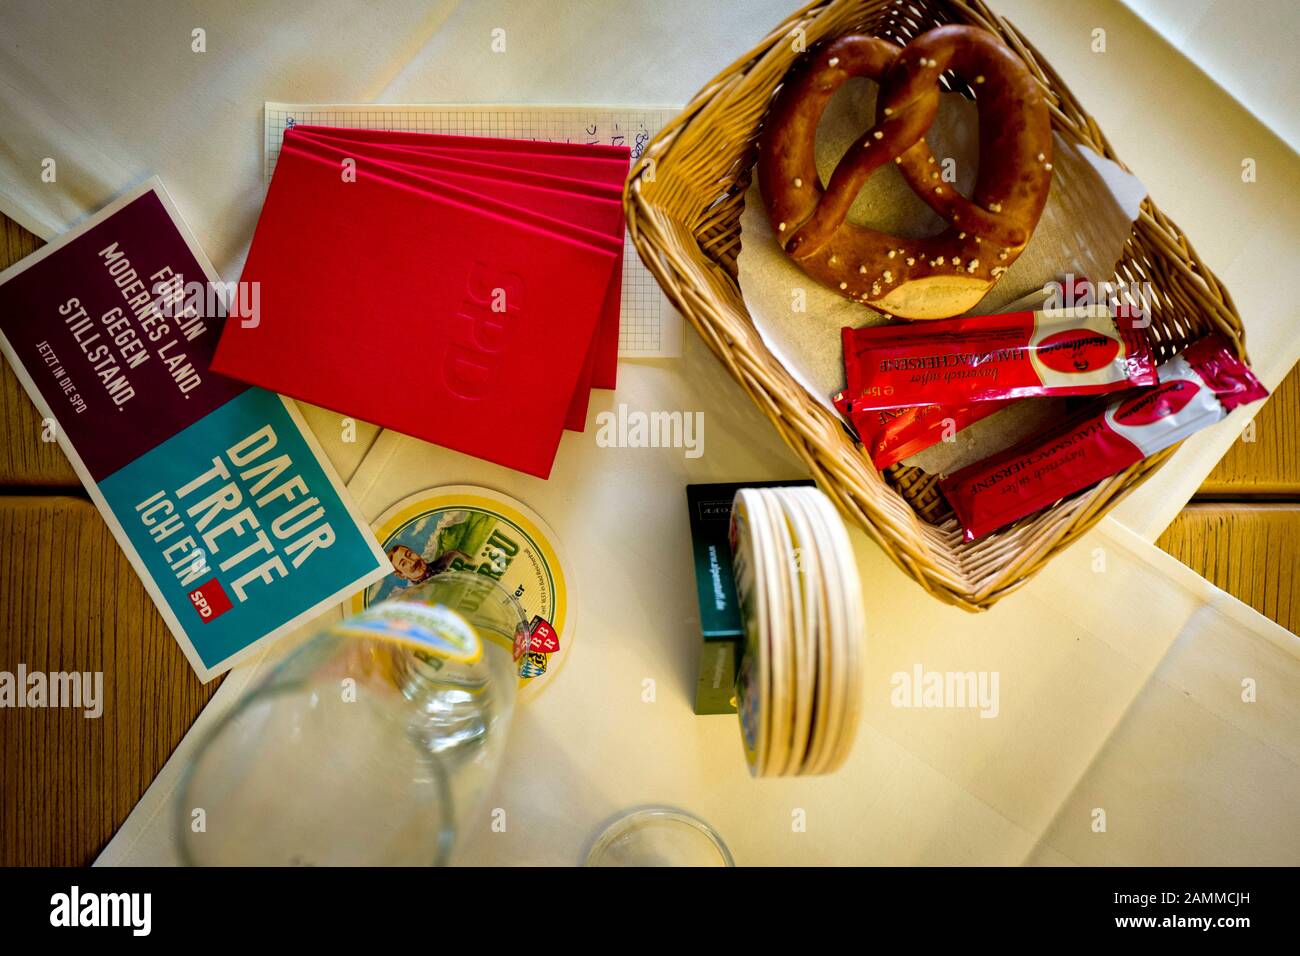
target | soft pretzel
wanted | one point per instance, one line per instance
(941, 275)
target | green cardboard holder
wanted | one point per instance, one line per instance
(721, 631)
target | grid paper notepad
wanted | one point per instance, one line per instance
(649, 325)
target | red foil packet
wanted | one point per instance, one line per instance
(1083, 350)
(1197, 388)
(891, 434)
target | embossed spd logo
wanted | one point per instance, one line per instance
(493, 303)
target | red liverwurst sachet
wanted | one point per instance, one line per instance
(1197, 388)
(1081, 350)
(891, 434)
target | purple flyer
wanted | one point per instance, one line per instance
(216, 490)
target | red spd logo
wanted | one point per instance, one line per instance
(1076, 351)
(210, 600)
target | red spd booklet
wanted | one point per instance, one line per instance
(594, 206)
(420, 307)
(589, 170)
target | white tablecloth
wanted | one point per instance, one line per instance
(1121, 690)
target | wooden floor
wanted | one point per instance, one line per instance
(70, 601)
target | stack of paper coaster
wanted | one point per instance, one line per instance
(799, 688)
(463, 290)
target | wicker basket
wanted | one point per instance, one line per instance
(683, 204)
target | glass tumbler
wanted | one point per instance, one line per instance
(368, 743)
(658, 837)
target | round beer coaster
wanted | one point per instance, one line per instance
(800, 681)
(855, 633)
(753, 681)
(838, 615)
(468, 528)
(806, 580)
(781, 637)
(764, 570)
(814, 562)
